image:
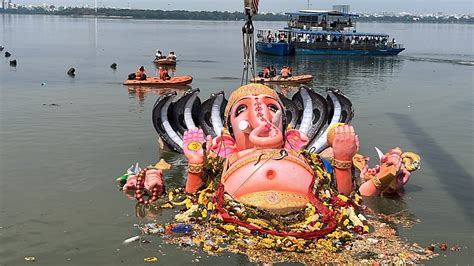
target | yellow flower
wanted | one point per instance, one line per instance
(257, 221)
(170, 196)
(188, 203)
(204, 213)
(344, 198)
(210, 206)
(346, 222)
(167, 206)
(229, 227)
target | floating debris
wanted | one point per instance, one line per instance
(113, 66)
(162, 165)
(30, 258)
(131, 239)
(71, 72)
(150, 259)
(377, 244)
(443, 246)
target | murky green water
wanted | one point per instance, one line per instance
(63, 143)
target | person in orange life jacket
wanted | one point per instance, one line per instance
(164, 74)
(285, 72)
(266, 72)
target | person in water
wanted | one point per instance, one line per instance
(140, 74)
(172, 56)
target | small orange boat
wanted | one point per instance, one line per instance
(174, 81)
(278, 79)
(165, 61)
(157, 89)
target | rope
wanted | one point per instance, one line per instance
(248, 49)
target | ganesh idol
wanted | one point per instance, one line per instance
(269, 154)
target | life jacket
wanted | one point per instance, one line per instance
(266, 72)
(164, 74)
(285, 72)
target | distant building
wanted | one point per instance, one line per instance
(3, 4)
(342, 8)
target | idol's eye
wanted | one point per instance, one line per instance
(272, 107)
(240, 109)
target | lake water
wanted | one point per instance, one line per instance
(64, 140)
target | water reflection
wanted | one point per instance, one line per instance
(335, 71)
(147, 212)
(394, 210)
(138, 92)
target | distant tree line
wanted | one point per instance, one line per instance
(146, 14)
(417, 19)
(213, 15)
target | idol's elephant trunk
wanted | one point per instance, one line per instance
(265, 133)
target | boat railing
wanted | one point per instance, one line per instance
(395, 45)
(345, 46)
(337, 26)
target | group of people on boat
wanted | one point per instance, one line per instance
(270, 72)
(159, 55)
(140, 74)
(276, 37)
(344, 39)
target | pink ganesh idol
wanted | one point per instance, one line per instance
(267, 154)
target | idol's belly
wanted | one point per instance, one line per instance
(268, 183)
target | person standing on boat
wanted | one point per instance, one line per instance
(140, 74)
(269, 36)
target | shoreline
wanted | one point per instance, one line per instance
(109, 13)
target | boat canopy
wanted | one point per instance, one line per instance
(317, 13)
(335, 33)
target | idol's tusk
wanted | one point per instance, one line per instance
(244, 126)
(379, 152)
(277, 118)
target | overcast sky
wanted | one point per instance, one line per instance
(369, 6)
